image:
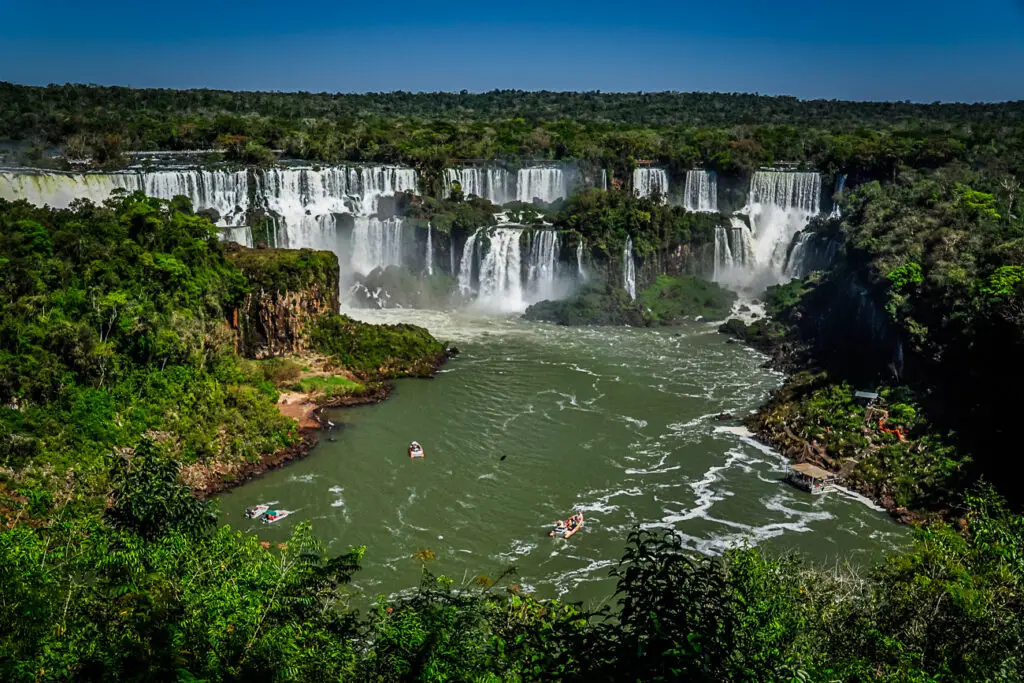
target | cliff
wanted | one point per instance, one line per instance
(290, 290)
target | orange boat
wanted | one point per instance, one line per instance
(415, 450)
(569, 527)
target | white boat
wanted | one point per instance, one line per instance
(415, 450)
(256, 511)
(275, 515)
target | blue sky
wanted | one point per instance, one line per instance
(870, 49)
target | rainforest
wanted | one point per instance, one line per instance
(640, 307)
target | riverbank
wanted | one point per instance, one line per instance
(876, 438)
(320, 385)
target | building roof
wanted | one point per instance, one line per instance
(812, 471)
(866, 394)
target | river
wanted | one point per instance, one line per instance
(533, 421)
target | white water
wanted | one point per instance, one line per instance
(546, 183)
(226, 192)
(629, 269)
(495, 185)
(579, 261)
(376, 243)
(604, 179)
(779, 205)
(840, 184)
(542, 265)
(465, 279)
(734, 253)
(501, 287)
(647, 181)
(701, 192)
(430, 250)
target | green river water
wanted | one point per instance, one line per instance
(616, 422)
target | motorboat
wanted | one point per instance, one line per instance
(415, 450)
(256, 511)
(569, 527)
(275, 515)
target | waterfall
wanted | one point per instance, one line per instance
(840, 184)
(579, 261)
(492, 184)
(307, 201)
(430, 250)
(501, 272)
(629, 269)
(241, 235)
(701, 192)
(734, 252)
(546, 183)
(647, 181)
(466, 265)
(376, 243)
(810, 252)
(226, 192)
(604, 179)
(723, 254)
(541, 265)
(780, 205)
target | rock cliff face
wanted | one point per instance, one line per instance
(290, 290)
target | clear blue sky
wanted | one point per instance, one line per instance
(869, 49)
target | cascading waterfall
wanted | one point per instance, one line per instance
(493, 184)
(465, 279)
(501, 285)
(629, 269)
(542, 264)
(546, 183)
(723, 254)
(701, 191)
(780, 205)
(810, 252)
(306, 202)
(579, 261)
(376, 243)
(840, 184)
(604, 179)
(647, 181)
(226, 192)
(734, 252)
(430, 250)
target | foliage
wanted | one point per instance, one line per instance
(727, 132)
(113, 327)
(592, 305)
(283, 270)
(377, 351)
(670, 299)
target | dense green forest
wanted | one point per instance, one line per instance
(727, 132)
(118, 367)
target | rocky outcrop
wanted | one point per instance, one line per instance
(290, 289)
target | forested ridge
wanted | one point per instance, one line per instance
(727, 132)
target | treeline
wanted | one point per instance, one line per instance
(729, 133)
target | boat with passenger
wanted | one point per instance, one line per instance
(569, 527)
(415, 450)
(811, 478)
(256, 511)
(275, 515)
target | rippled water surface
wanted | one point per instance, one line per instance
(618, 423)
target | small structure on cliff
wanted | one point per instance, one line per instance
(810, 478)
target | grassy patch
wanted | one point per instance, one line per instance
(329, 386)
